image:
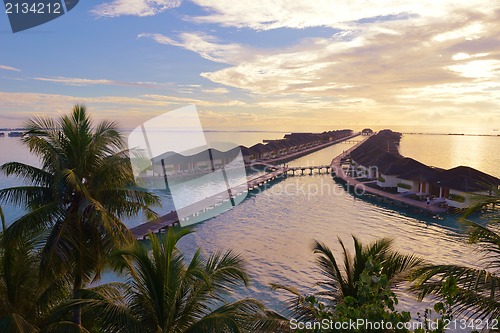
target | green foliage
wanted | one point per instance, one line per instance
(74, 203)
(444, 310)
(477, 290)
(359, 289)
(26, 301)
(341, 282)
(405, 186)
(381, 179)
(77, 198)
(456, 197)
(373, 303)
(165, 293)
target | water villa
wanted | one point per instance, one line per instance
(377, 159)
(293, 145)
(15, 134)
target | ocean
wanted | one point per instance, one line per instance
(274, 229)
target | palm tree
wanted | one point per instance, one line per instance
(25, 301)
(166, 294)
(77, 197)
(341, 282)
(478, 289)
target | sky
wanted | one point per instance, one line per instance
(301, 65)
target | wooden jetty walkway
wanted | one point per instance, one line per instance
(172, 219)
(276, 173)
(362, 187)
(288, 157)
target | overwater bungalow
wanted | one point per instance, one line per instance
(293, 146)
(459, 185)
(278, 148)
(378, 159)
(390, 176)
(309, 139)
(203, 161)
(419, 179)
(249, 156)
(261, 151)
(15, 134)
(367, 131)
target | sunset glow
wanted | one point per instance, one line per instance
(263, 65)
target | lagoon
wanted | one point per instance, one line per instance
(274, 229)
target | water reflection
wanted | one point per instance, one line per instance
(274, 233)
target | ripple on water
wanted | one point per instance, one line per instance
(274, 231)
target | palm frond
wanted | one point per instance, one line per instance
(28, 173)
(335, 281)
(488, 241)
(479, 290)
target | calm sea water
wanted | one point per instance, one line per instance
(448, 151)
(274, 229)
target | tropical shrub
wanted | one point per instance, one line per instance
(166, 293)
(478, 289)
(405, 186)
(456, 197)
(76, 199)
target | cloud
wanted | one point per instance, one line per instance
(16, 108)
(216, 91)
(391, 70)
(386, 61)
(374, 62)
(8, 68)
(299, 14)
(478, 69)
(91, 82)
(174, 100)
(30, 102)
(129, 110)
(207, 46)
(134, 7)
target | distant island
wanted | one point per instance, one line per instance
(459, 134)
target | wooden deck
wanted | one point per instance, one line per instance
(172, 219)
(363, 188)
(141, 231)
(288, 157)
(278, 173)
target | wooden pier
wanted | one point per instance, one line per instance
(362, 187)
(277, 173)
(307, 151)
(303, 169)
(352, 141)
